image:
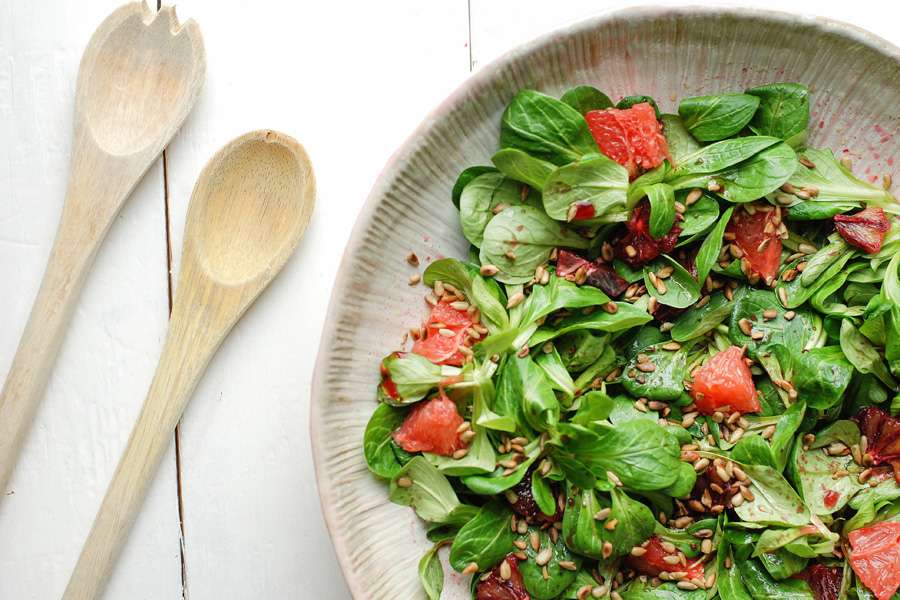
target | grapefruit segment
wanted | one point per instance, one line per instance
(875, 557)
(865, 229)
(431, 427)
(725, 380)
(632, 136)
(435, 344)
(756, 235)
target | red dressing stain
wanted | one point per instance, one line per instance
(831, 498)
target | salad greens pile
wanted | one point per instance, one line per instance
(667, 368)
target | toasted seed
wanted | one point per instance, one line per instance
(615, 595)
(489, 270)
(770, 314)
(669, 547)
(704, 533)
(747, 494)
(414, 279)
(602, 514)
(687, 585)
(614, 479)
(470, 569)
(806, 248)
(611, 524)
(782, 296)
(723, 474)
(568, 565)
(737, 500)
(745, 326)
(688, 420)
(461, 453)
(736, 435)
(404, 482)
(693, 196)
(701, 465)
(505, 571)
(713, 186)
(600, 591)
(671, 560)
(646, 367)
(682, 522)
(607, 550)
(515, 300)
(865, 475)
(630, 251)
(806, 162)
(638, 551)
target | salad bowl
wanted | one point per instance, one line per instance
(665, 53)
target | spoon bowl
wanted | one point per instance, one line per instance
(248, 211)
(138, 76)
(257, 200)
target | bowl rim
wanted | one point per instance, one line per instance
(410, 145)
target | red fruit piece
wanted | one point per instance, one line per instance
(632, 137)
(831, 497)
(865, 229)
(437, 347)
(882, 433)
(725, 380)
(583, 211)
(653, 562)
(757, 237)
(496, 587)
(597, 274)
(525, 504)
(644, 247)
(825, 582)
(875, 557)
(431, 427)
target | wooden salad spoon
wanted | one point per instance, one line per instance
(248, 211)
(140, 75)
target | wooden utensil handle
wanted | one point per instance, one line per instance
(72, 254)
(185, 356)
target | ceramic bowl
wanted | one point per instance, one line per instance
(667, 53)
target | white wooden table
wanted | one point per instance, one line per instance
(234, 511)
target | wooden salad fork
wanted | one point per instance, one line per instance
(139, 77)
(247, 213)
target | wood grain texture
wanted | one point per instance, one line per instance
(665, 53)
(251, 205)
(108, 356)
(139, 77)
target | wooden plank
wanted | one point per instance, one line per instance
(350, 81)
(110, 352)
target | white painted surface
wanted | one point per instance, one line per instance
(365, 74)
